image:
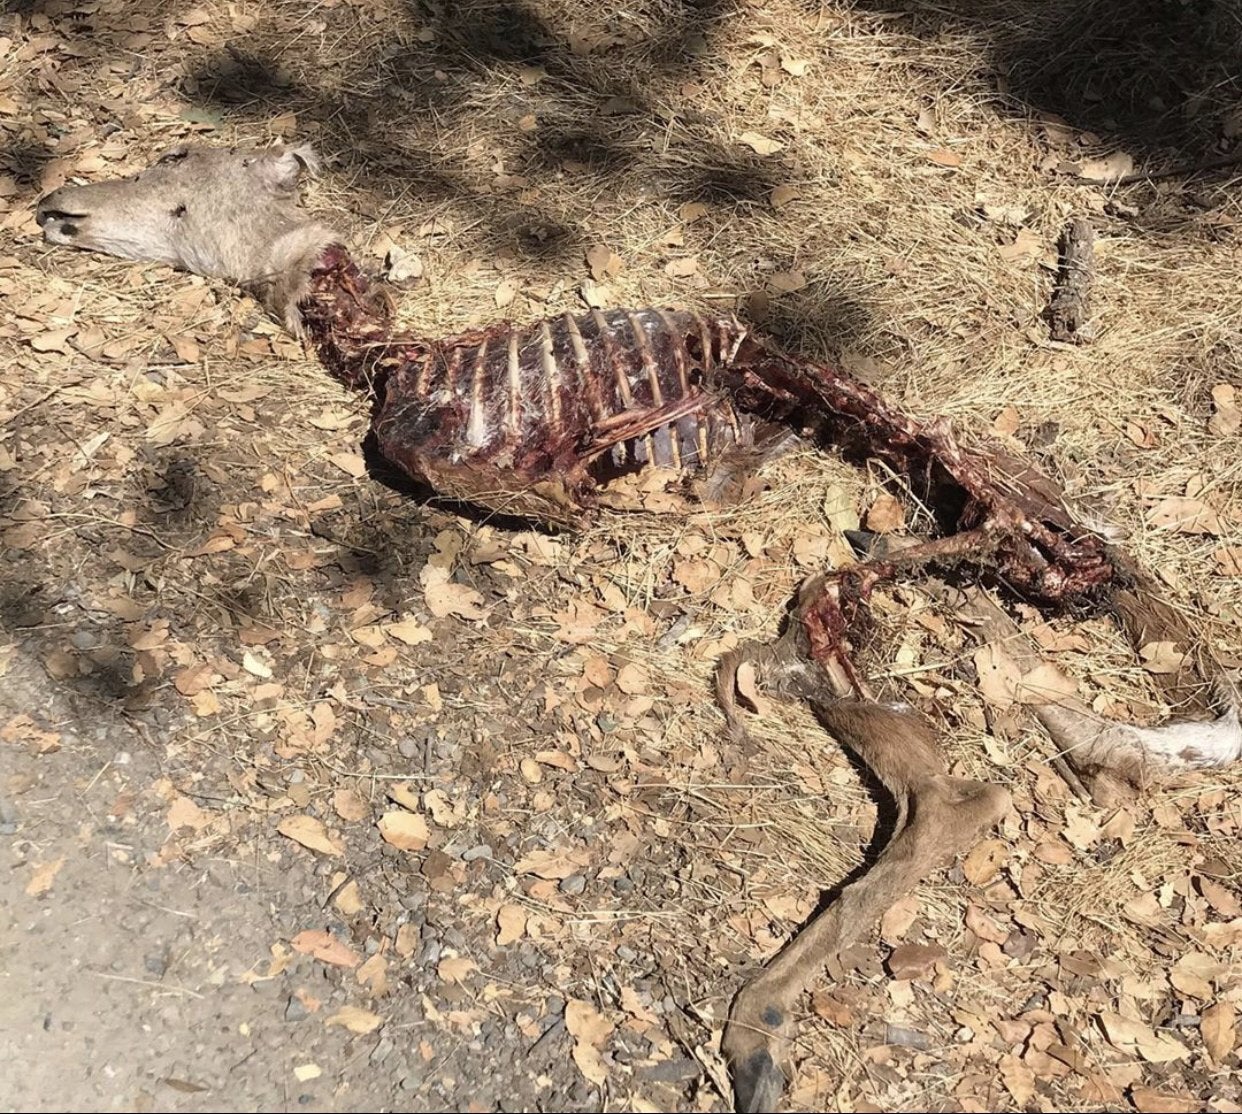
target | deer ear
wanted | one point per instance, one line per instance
(287, 168)
(307, 157)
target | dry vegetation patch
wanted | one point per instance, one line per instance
(538, 861)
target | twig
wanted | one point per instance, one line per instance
(1138, 176)
(1069, 311)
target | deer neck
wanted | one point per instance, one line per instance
(345, 320)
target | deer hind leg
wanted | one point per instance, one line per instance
(938, 816)
(1115, 759)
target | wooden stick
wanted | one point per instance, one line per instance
(1069, 311)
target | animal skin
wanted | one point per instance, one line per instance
(536, 420)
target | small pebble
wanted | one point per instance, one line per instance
(573, 885)
(294, 1010)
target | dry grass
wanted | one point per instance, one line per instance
(500, 142)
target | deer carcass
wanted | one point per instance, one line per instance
(536, 420)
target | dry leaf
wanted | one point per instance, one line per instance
(172, 422)
(553, 865)
(1025, 243)
(510, 924)
(256, 666)
(596, 295)
(409, 630)
(506, 291)
(682, 267)
(373, 974)
(782, 196)
(1108, 169)
(603, 262)
(786, 282)
(760, 144)
(193, 679)
(898, 918)
(184, 813)
(43, 876)
(1162, 657)
(942, 156)
(456, 968)
(1120, 826)
(446, 597)
(1080, 829)
(1130, 1035)
(325, 947)
(998, 675)
(916, 961)
(832, 1009)
(404, 830)
(1007, 421)
(1228, 560)
(356, 1020)
(348, 899)
(1218, 1027)
(632, 679)
(885, 515)
(185, 347)
(590, 1029)
(352, 464)
(1222, 899)
(985, 861)
(1184, 515)
(1018, 1078)
(53, 340)
(1228, 417)
(1149, 1101)
(349, 805)
(310, 832)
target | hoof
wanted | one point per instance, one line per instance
(757, 1084)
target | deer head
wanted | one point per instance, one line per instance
(223, 212)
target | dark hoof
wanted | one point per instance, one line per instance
(863, 542)
(757, 1085)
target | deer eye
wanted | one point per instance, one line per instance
(179, 211)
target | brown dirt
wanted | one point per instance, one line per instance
(222, 640)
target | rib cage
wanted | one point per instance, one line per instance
(564, 404)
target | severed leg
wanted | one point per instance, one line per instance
(938, 816)
(1114, 759)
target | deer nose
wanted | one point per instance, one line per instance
(56, 221)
